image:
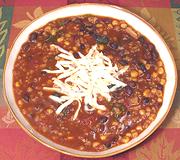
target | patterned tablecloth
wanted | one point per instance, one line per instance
(164, 15)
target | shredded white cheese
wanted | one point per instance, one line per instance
(84, 78)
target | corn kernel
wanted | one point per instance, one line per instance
(81, 148)
(53, 32)
(115, 22)
(60, 39)
(67, 35)
(142, 112)
(75, 48)
(100, 47)
(134, 134)
(103, 137)
(160, 70)
(152, 117)
(125, 139)
(20, 102)
(114, 123)
(139, 128)
(17, 84)
(162, 81)
(66, 43)
(124, 25)
(153, 90)
(70, 138)
(159, 100)
(134, 73)
(154, 75)
(148, 66)
(159, 63)
(146, 92)
(49, 111)
(110, 26)
(95, 144)
(159, 93)
(128, 134)
(99, 25)
(47, 29)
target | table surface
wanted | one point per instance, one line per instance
(164, 15)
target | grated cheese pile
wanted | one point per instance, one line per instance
(84, 78)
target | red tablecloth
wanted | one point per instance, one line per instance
(164, 15)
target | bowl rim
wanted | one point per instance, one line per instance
(75, 154)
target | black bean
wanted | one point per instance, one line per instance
(102, 128)
(152, 61)
(76, 55)
(33, 37)
(126, 38)
(26, 47)
(148, 55)
(89, 31)
(32, 85)
(102, 39)
(112, 141)
(121, 53)
(123, 130)
(43, 73)
(88, 28)
(29, 58)
(148, 76)
(146, 100)
(82, 46)
(58, 117)
(56, 94)
(154, 55)
(26, 97)
(113, 45)
(82, 28)
(159, 87)
(103, 119)
(88, 25)
(128, 113)
(141, 39)
(107, 20)
(151, 47)
(145, 45)
(128, 90)
(123, 62)
(78, 20)
(132, 84)
(142, 67)
(108, 144)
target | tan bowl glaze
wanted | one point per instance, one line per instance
(101, 10)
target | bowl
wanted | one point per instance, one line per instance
(102, 10)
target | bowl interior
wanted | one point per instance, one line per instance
(101, 10)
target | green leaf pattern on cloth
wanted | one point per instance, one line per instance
(3, 34)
